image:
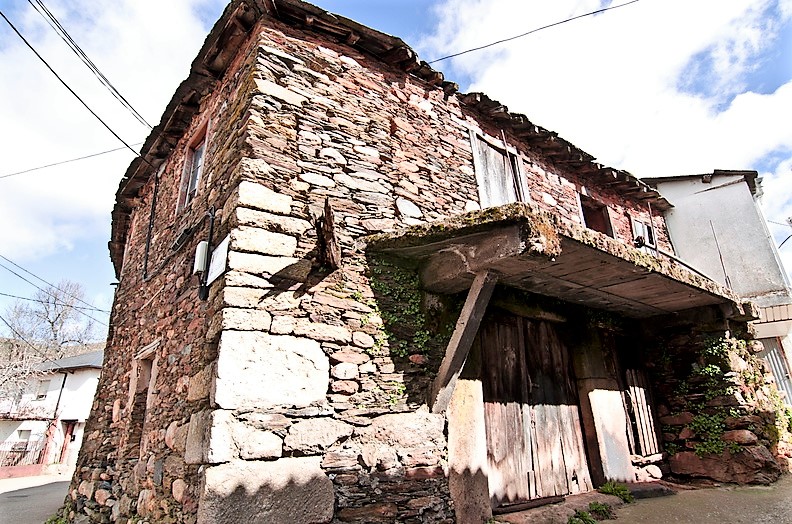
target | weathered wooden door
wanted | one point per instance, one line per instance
(534, 436)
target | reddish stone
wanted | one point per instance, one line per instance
(345, 387)
(382, 512)
(680, 419)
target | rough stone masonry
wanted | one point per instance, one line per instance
(296, 392)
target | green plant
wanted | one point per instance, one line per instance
(709, 428)
(56, 519)
(620, 490)
(672, 448)
(581, 517)
(601, 511)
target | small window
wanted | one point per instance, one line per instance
(497, 172)
(194, 171)
(43, 389)
(644, 235)
(23, 435)
(194, 161)
(595, 215)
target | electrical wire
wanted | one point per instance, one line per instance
(58, 303)
(53, 22)
(479, 48)
(68, 87)
(66, 161)
(48, 293)
(50, 284)
(787, 224)
(18, 335)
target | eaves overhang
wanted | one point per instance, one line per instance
(537, 252)
(235, 25)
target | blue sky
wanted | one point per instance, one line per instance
(659, 87)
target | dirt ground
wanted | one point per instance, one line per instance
(726, 504)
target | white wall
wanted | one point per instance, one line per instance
(749, 255)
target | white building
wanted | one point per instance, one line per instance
(717, 226)
(43, 423)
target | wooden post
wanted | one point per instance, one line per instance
(462, 339)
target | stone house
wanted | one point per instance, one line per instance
(42, 426)
(350, 293)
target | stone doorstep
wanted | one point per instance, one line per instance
(559, 513)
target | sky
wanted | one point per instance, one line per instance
(657, 87)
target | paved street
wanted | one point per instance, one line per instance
(31, 505)
(722, 505)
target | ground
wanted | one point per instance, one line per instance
(32, 500)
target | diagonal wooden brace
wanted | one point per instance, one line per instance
(462, 339)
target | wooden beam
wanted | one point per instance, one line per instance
(462, 339)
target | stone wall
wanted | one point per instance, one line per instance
(291, 374)
(721, 416)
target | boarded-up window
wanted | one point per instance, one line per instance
(498, 172)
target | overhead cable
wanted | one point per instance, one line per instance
(56, 302)
(49, 293)
(68, 87)
(479, 48)
(53, 22)
(50, 284)
(67, 161)
(18, 335)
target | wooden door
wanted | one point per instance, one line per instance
(534, 436)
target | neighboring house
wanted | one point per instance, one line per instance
(718, 227)
(43, 424)
(419, 307)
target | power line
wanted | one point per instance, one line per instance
(50, 284)
(67, 161)
(479, 48)
(53, 22)
(59, 303)
(18, 335)
(68, 87)
(787, 224)
(47, 292)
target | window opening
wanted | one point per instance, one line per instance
(595, 215)
(23, 435)
(644, 236)
(194, 161)
(43, 389)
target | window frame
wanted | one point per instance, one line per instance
(192, 175)
(586, 201)
(42, 389)
(647, 232)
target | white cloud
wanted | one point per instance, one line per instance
(144, 48)
(657, 87)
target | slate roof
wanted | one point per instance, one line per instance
(93, 359)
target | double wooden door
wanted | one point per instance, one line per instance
(534, 436)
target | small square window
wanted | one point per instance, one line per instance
(43, 389)
(595, 215)
(644, 235)
(23, 435)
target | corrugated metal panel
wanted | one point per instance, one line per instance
(774, 355)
